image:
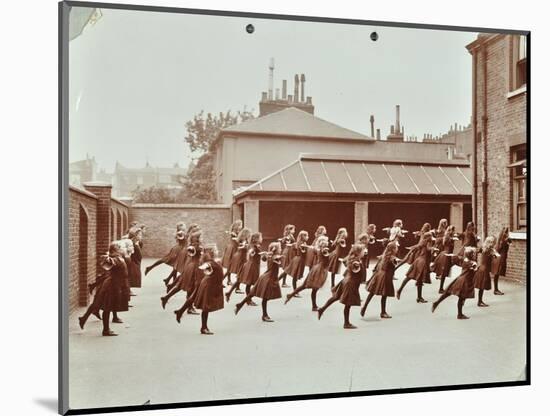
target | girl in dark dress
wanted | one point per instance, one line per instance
(338, 247)
(311, 255)
(295, 268)
(182, 258)
(381, 283)
(469, 238)
(286, 245)
(170, 258)
(239, 259)
(134, 270)
(439, 233)
(347, 290)
(317, 275)
(499, 268)
(250, 271)
(369, 240)
(231, 247)
(208, 297)
(191, 274)
(463, 285)
(267, 287)
(443, 263)
(482, 277)
(415, 250)
(110, 296)
(420, 268)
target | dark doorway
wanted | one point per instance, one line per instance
(466, 214)
(83, 258)
(305, 216)
(414, 215)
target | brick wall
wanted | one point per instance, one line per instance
(90, 233)
(506, 127)
(82, 245)
(161, 220)
(119, 213)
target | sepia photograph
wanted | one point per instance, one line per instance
(261, 208)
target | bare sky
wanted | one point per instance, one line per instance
(137, 77)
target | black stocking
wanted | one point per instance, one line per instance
(283, 276)
(247, 289)
(459, 305)
(106, 315)
(313, 298)
(155, 264)
(346, 314)
(441, 283)
(480, 296)
(329, 302)
(495, 280)
(296, 290)
(332, 279)
(419, 291)
(264, 308)
(383, 304)
(204, 320)
(294, 281)
(405, 281)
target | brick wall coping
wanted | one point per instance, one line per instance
(120, 202)
(518, 236)
(98, 184)
(82, 191)
(180, 206)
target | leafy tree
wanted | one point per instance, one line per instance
(154, 195)
(201, 134)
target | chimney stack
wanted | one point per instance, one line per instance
(308, 101)
(277, 94)
(371, 125)
(397, 128)
(290, 98)
(303, 85)
(271, 68)
(377, 134)
(296, 87)
(284, 89)
(264, 96)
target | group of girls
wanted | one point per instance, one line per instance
(120, 271)
(196, 271)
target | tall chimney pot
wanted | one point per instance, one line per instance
(303, 88)
(371, 125)
(284, 89)
(296, 87)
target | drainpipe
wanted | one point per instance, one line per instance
(485, 181)
(474, 129)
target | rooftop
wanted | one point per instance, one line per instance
(294, 122)
(356, 175)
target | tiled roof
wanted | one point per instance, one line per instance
(345, 174)
(294, 122)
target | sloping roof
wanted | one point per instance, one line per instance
(294, 122)
(349, 175)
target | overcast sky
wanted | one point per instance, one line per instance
(137, 77)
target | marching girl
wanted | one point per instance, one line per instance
(134, 269)
(468, 237)
(338, 249)
(267, 287)
(208, 297)
(231, 247)
(463, 285)
(482, 277)
(170, 258)
(347, 290)
(93, 309)
(250, 271)
(295, 268)
(420, 268)
(369, 239)
(110, 296)
(311, 255)
(239, 258)
(317, 275)
(443, 263)
(414, 251)
(503, 243)
(381, 283)
(182, 258)
(286, 245)
(396, 231)
(439, 233)
(191, 274)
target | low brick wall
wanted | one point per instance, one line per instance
(82, 245)
(161, 220)
(516, 267)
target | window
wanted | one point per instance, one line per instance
(519, 190)
(165, 179)
(140, 180)
(518, 62)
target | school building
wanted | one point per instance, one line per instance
(499, 83)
